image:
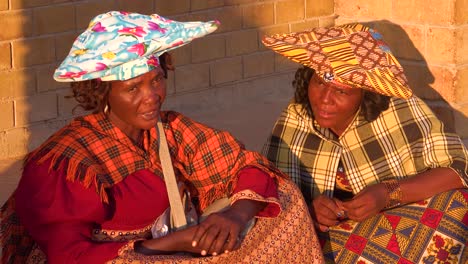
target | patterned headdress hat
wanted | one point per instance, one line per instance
(121, 45)
(352, 54)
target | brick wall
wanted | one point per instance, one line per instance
(227, 79)
(430, 38)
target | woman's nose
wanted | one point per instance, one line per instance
(326, 95)
(150, 94)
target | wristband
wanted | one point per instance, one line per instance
(394, 193)
(139, 248)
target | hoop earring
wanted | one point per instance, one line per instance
(106, 109)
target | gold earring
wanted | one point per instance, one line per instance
(106, 109)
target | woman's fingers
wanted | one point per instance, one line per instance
(216, 235)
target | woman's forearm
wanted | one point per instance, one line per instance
(429, 183)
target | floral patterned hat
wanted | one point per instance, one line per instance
(121, 45)
(352, 54)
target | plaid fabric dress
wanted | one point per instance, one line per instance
(95, 154)
(404, 140)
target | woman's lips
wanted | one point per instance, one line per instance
(150, 115)
(324, 114)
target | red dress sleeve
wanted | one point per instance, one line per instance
(60, 215)
(261, 183)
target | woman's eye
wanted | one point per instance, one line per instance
(156, 80)
(132, 89)
(341, 92)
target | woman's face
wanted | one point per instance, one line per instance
(333, 106)
(135, 104)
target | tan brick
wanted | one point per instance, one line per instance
(205, 4)
(258, 15)
(237, 2)
(461, 86)
(443, 82)
(33, 52)
(18, 23)
(461, 16)
(173, 7)
(36, 134)
(319, 8)
(87, 10)
(192, 77)
(444, 112)
(284, 64)
(67, 106)
(208, 48)
(170, 83)
(3, 5)
(424, 11)
(327, 21)
(461, 39)
(5, 56)
(288, 11)
(45, 79)
(17, 83)
(226, 70)
(35, 108)
(7, 118)
(51, 19)
(241, 42)
(441, 45)
(141, 6)
(377, 9)
(259, 64)
(23, 4)
(421, 81)
(182, 55)
(10, 173)
(266, 31)
(17, 142)
(405, 41)
(63, 44)
(229, 17)
(345, 20)
(461, 120)
(301, 26)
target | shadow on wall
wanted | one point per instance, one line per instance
(420, 76)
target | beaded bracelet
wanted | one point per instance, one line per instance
(394, 193)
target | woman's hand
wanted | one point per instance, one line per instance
(179, 241)
(219, 232)
(326, 212)
(369, 202)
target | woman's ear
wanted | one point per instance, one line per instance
(166, 62)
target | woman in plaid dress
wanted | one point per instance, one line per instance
(385, 180)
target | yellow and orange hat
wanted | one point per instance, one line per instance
(352, 54)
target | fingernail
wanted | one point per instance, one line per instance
(226, 251)
(194, 243)
(203, 252)
(214, 253)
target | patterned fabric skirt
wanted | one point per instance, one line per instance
(432, 231)
(288, 238)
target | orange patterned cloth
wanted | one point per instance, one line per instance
(352, 54)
